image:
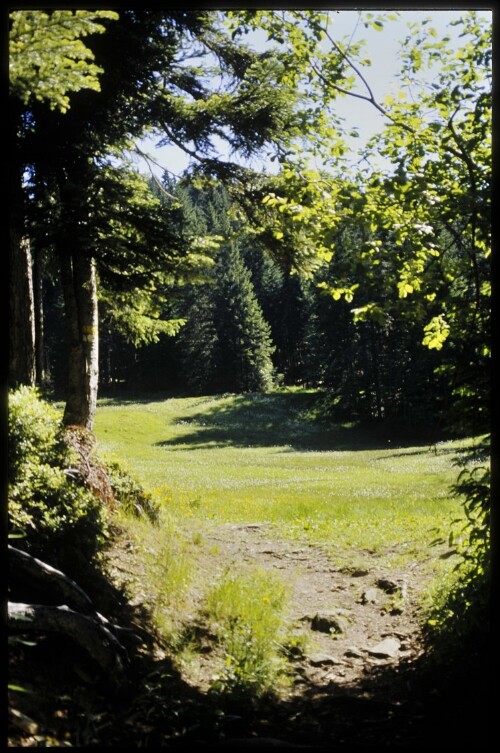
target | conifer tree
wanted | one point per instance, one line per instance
(72, 157)
(196, 340)
(243, 347)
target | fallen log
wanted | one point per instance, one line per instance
(63, 590)
(93, 636)
(46, 577)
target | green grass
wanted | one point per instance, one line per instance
(164, 571)
(263, 458)
(245, 610)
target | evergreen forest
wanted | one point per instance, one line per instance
(285, 344)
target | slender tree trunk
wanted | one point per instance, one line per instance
(41, 370)
(375, 353)
(21, 312)
(80, 301)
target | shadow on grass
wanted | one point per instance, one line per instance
(289, 421)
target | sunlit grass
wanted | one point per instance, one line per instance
(245, 610)
(165, 564)
(262, 459)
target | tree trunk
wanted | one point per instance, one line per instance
(41, 367)
(21, 312)
(375, 355)
(80, 300)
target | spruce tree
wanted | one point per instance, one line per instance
(243, 346)
(283, 297)
(196, 340)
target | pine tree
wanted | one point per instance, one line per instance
(243, 348)
(196, 340)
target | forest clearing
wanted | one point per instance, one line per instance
(281, 587)
(249, 392)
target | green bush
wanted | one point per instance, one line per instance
(130, 494)
(460, 612)
(51, 510)
(34, 432)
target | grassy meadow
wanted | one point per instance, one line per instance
(266, 458)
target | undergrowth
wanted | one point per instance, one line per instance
(245, 610)
(52, 511)
(459, 607)
(132, 496)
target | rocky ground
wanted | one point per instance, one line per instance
(363, 682)
(354, 618)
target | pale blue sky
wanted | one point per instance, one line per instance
(381, 48)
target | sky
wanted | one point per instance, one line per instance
(381, 48)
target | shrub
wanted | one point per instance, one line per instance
(50, 508)
(130, 494)
(34, 432)
(460, 611)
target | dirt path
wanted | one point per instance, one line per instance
(354, 619)
(357, 686)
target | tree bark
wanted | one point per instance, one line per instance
(40, 360)
(22, 368)
(80, 300)
(21, 309)
(94, 637)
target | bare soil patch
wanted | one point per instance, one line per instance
(348, 614)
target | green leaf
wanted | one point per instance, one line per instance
(18, 688)
(436, 333)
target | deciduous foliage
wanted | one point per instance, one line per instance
(423, 218)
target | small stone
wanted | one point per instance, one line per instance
(322, 660)
(387, 585)
(389, 647)
(354, 652)
(329, 622)
(370, 596)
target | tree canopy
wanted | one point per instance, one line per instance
(47, 57)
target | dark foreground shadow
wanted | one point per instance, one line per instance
(417, 706)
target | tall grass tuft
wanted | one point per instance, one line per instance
(246, 612)
(162, 552)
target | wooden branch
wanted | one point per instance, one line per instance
(93, 636)
(47, 577)
(62, 589)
